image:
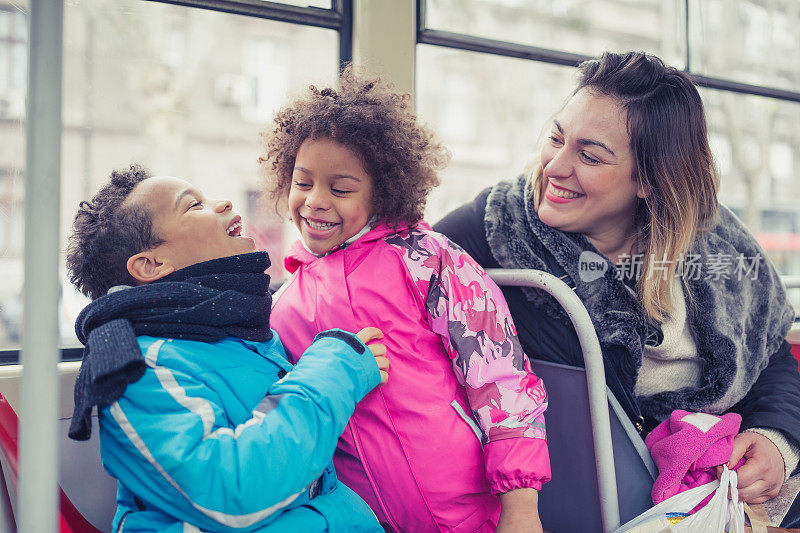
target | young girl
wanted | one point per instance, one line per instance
(459, 429)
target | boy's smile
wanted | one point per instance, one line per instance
(330, 199)
(191, 227)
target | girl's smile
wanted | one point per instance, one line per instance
(330, 199)
(319, 229)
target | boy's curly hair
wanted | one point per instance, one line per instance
(378, 125)
(106, 233)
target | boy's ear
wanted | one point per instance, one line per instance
(144, 267)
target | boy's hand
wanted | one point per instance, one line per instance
(378, 350)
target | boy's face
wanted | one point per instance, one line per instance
(194, 228)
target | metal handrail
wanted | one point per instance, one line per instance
(791, 282)
(595, 380)
(38, 431)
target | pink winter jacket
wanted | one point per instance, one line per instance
(413, 449)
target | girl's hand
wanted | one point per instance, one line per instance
(520, 512)
(378, 350)
(761, 477)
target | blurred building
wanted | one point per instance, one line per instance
(185, 91)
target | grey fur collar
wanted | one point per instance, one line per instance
(737, 323)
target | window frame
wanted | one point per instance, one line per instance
(339, 17)
(471, 43)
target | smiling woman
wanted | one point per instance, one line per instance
(638, 146)
(689, 312)
(587, 164)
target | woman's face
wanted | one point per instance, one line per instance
(587, 166)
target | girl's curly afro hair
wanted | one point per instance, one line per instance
(374, 122)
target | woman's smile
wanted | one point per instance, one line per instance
(561, 195)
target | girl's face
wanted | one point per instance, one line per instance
(587, 165)
(330, 198)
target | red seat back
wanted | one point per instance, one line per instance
(70, 519)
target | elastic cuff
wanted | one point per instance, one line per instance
(789, 451)
(353, 341)
(362, 362)
(500, 486)
(516, 463)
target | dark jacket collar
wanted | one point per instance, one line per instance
(737, 323)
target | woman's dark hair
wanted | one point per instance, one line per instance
(377, 124)
(106, 233)
(673, 161)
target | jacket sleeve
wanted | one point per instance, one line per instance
(774, 399)
(169, 439)
(468, 310)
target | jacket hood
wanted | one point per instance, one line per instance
(299, 255)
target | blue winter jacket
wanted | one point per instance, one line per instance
(228, 436)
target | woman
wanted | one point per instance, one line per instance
(689, 312)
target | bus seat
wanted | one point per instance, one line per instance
(84, 482)
(794, 340)
(86, 492)
(8, 466)
(570, 501)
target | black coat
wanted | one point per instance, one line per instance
(773, 401)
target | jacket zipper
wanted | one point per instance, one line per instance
(357, 444)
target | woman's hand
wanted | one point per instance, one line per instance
(762, 475)
(520, 512)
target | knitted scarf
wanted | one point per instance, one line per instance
(205, 302)
(737, 323)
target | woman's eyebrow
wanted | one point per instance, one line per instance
(592, 142)
(586, 142)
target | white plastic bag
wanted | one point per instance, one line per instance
(724, 513)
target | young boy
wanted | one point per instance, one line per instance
(203, 421)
